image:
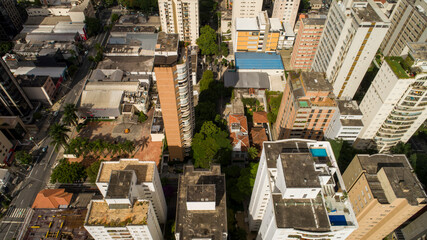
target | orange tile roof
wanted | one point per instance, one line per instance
(242, 139)
(258, 136)
(239, 118)
(260, 117)
(52, 198)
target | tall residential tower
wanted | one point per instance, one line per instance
(286, 11)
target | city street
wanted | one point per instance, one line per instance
(38, 178)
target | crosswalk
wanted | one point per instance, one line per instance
(17, 212)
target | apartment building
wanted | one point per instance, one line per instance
(5, 146)
(246, 8)
(286, 11)
(257, 34)
(308, 39)
(13, 99)
(299, 193)
(146, 184)
(307, 107)
(353, 33)
(346, 123)
(395, 104)
(175, 88)
(384, 192)
(408, 24)
(181, 17)
(11, 19)
(39, 88)
(201, 211)
(77, 10)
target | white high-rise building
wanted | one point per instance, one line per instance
(246, 8)
(286, 11)
(395, 104)
(353, 33)
(294, 194)
(346, 124)
(147, 185)
(181, 17)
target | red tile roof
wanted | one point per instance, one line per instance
(258, 136)
(52, 198)
(238, 118)
(242, 139)
(260, 117)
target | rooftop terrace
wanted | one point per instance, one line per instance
(397, 67)
(100, 214)
(144, 170)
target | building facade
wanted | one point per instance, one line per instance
(246, 8)
(286, 11)
(181, 17)
(201, 211)
(353, 33)
(307, 107)
(294, 194)
(11, 19)
(5, 146)
(408, 24)
(308, 38)
(257, 34)
(147, 185)
(347, 123)
(384, 192)
(13, 99)
(395, 105)
(174, 85)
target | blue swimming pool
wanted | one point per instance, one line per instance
(318, 152)
(337, 220)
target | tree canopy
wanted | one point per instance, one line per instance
(246, 181)
(92, 171)
(143, 5)
(59, 134)
(206, 80)
(5, 47)
(93, 26)
(70, 116)
(67, 172)
(207, 41)
(253, 152)
(209, 145)
(23, 157)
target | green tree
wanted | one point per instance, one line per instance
(246, 181)
(114, 17)
(5, 47)
(210, 144)
(128, 147)
(59, 134)
(67, 172)
(402, 148)
(206, 80)
(207, 41)
(23, 157)
(92, 171)
(224, 49)
(142, 117)
(93, 26)
(253, 152)
(70, 116)
(109, 3)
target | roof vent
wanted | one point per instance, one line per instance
(315, 80)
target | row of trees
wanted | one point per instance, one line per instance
(208, 43)
(83, 146)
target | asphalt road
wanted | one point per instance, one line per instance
(20, 206)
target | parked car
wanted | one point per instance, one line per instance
(44, 149)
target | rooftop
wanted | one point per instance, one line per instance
(54, 72)
(247, 24)
(201, 193)
(418, 50)
(258, 80)
(248, 60)
(132, 42)
(52, 198)
(260, 117)
(133, 29)
(128, 64)
(314, 21)
(114, 75)
(396, 171)
(46, 20)
(31, 80)
(275, 24)
(352, 122)
(100, 214)
(299, 170)
(144, 170)
(191, 224)
(396, 66)
(348, 107)
(58, 37)
(167, 42)
(302, 214)
(274, 149)
(101, 98)
(258, 136)
(120, 184)
(367, 13)
(315, 81)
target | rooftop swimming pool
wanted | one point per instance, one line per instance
(318, 152)
(337, 220)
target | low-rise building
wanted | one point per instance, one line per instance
(299, 193)
(39, 88)
(384, 192)
(247, 82)
(346, 123)
(52, 198)
(201, 211)
(13, 127)
(238, 127)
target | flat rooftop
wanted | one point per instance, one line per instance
(100, 214)
(144, 41)
(167, 42)
(400, 176)
(144, 170)
(248, 60)
(256, 80)
(31, 80)
(418, 50)
(299, 170)
(101, 98)
(113, 75)
(200, 224)
(352, 122)
(128, 63)
(301, 214)
(120, 183)
(247, 24)
(274, 149)
(275, 25)
(201, 193)
(348, 107)
(133, 29)
(316, 81)
(314, 21)
(368, 13)
(46, 20)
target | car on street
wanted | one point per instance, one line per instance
(44, 149)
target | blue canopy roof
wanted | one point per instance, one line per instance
(249, 60)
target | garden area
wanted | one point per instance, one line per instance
(273, 100)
